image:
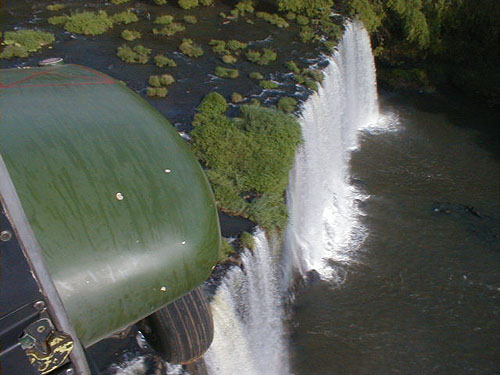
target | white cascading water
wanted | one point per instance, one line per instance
(248, 315)
(324, 226)
(248, 309)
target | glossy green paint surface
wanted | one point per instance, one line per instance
(74, 141)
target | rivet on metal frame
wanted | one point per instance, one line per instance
(5, 235)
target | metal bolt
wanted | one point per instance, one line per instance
(39, 305)
(5, 235)
(69, 371)
(40, 329)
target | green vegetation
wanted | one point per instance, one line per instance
(189, 48)
(136, 55)
(229, 59)
(292, 65)
(21, 43)
(119, 1)
(160, 2)
(206, 3)
(287, 104)
(302, 20)
(223, 48)
(157, 92)
(256, 75)
(164, 20)
(273, 19)
(89, 23)
(56, 7)
(236, 98)
(270, 85)
(125, 17)
(130, 35)
(190, 19)
(169, 30)
(161, 61)
(310, 8)
(58, 20)
(188, 4)
(225, 249)
(247, 241)
(226, 72)
(244, 7)
(235, 45)
(264, 57)
(237, 153)
(161, 80)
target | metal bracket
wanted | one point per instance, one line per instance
(46, 348)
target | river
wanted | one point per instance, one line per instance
(422, 296)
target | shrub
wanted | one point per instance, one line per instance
(316, 75)
(236, 45)
(189, 48)
(162, 61)
(169, 30)
(226, 72)
(219, 46)
(119, 1)
(287, 104)
(14, 51)
(293, 67)
(291, 16)
(311, 84)
(154, 81)
(206, 2)
(125, 17)
(262, 58)
(166, 79)
(273, 19)
(137, 55)
(246, 6)
(190, 19)
(268, 84)
(257, 75)
(58, 20)
(56, 7)
(89, 23)
(247, 241)
(229, 59)
(236, 98)
(164, 20)
(160, 2)
(158, 92)
(307, 34)
(213, 103)
(237, 153)
(302, 20)
(188, 4)
(28, 40)
(225, 249)
(130, 35)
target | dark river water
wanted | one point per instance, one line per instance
(424, 296)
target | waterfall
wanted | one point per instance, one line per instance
(324, 229)
(248, 316)
(248, 312)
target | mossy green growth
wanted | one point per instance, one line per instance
(89, 23)
(308, 34)
(190, 19)
(161, 61)
(237, 153)
(270, 85)
(235, 45)
(292, 65)
(236, 97)
(164, 20)
(302, 20)
(287, 104)
(264, 57)
(188, 4)
(161, 80)
(189, 48)
(58, 20)
(56, 7)
(170, 29)
(229, 59)
(130, 35)
(157, 92)
(21, 43)
(206, 3)
(315, 74)
(226, 72)
(244, 7)
(124, 17)
(225, 249)
(119, 1)
(136, 55)
(273, 19)
(247, 241)
(219, 46)
(256, 75)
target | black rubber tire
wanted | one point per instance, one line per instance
(183, 330)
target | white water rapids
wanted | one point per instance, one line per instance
(249, 332)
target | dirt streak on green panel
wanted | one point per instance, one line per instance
(75, 143)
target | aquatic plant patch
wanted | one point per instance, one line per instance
(125, 17)
(189, 48)
(89, 23)
(161, 61)
(22, 42)
(136, 55)
(130, 35)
